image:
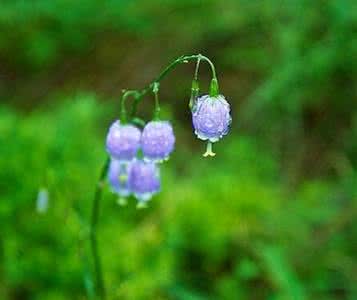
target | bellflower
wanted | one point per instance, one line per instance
(123, 141)
(211, 119)
(144, 180)
(157, 140)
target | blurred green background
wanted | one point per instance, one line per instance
(272, 216)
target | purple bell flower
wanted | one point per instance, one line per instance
(211, 119)
(157, 141)
(118, 177)
(123, 141)
(144, 180)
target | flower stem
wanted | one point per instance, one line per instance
(139, 94)
(123, 113)
(157, 109)
(195, 86)
(197, 68)
(99, 283)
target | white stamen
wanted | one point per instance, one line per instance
(209, 151)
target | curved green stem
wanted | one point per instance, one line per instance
(198, 67)
(195, 86)
(99, 283)
(126, 94)
(139, 94)
(157, 103)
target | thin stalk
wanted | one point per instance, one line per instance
(197, 68)
(99, 283)
(195, 86)
(138, 94)
(157, 102)
(126, 94)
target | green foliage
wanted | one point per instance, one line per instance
(37, 32)
(221, 229)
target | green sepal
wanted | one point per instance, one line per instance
(213, 88)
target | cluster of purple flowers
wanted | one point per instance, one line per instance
(135, 154)
(135, 157)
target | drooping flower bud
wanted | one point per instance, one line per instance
(211, 119)
(144, 180)
(157, 140)
(123, 141)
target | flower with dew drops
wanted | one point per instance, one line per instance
(123, 141)
(143, 180)
(157, 141)
(211, 119)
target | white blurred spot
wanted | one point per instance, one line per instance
(42, 201)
